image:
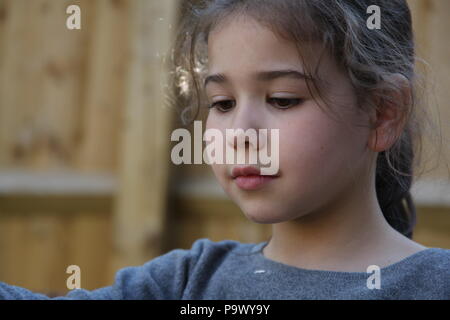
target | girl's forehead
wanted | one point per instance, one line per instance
(239, 38)
(242, 30)
(246, 46)
(246, 40)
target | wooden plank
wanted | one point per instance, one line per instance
(439, 60)
(11, 72)
(141, 202)
(44, 252)
(4, 12)
(37, 247)
(90, 247)
(63, 204)
(42, 107)
(13, 253)
(431, 26)
(43, 59)
(105, 79)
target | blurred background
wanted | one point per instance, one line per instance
(85, 171)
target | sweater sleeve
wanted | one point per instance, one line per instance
(164, 277)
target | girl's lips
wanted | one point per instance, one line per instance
(253, 182)
(245, 171)
(250, 178)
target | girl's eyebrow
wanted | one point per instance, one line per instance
(261, 76)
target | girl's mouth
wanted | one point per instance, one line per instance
(249, 178)
(253, 182)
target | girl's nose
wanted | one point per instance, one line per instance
(246, 124)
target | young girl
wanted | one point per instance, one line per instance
(342, 96)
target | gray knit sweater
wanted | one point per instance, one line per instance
(233, 270)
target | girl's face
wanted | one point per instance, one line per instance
(319, 157)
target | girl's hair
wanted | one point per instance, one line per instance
(370, 58)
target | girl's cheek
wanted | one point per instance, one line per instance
(305, 142)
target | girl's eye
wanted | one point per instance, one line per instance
(222, 106)
(285, 103)
(280, 103)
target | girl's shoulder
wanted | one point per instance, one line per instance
(435, 254)
(427, 269)
(433, 257)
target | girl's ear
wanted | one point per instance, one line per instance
(389, 120)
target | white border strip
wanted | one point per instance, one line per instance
(430, 192)
(60, 182)
(426, 192)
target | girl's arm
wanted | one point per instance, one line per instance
(164, 277)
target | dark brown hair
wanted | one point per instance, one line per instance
(369, 57)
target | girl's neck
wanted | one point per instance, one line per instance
(347, 236)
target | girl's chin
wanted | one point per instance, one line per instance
(264, 216)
